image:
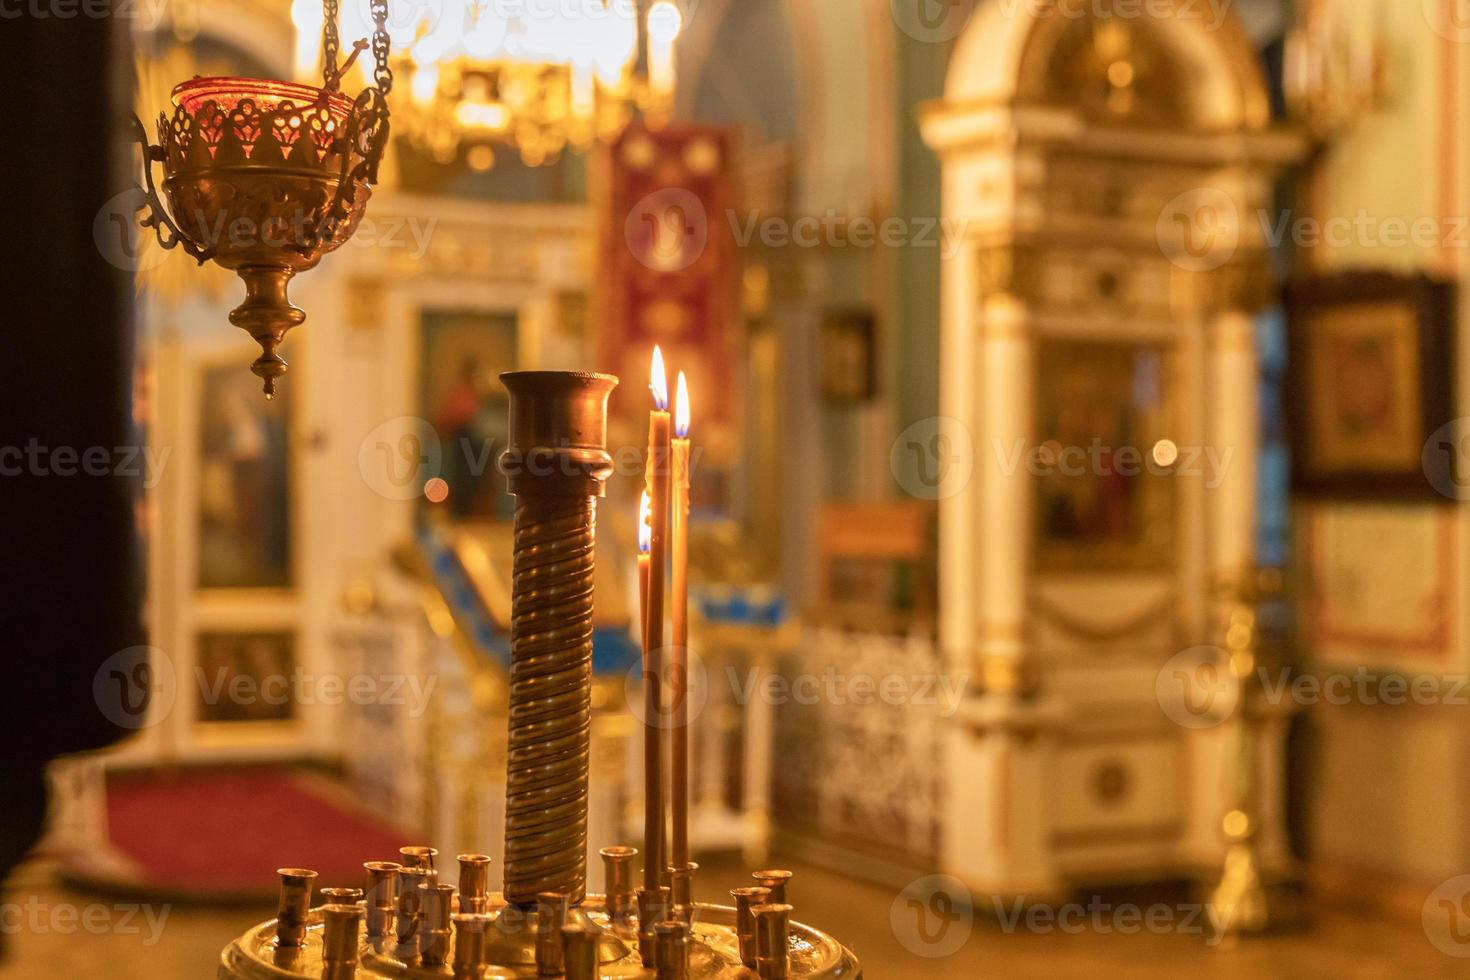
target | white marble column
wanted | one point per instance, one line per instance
(1234, 427)
(1004, 374)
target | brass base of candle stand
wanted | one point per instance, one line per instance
(715, 953)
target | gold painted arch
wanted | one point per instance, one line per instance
(1181, 64)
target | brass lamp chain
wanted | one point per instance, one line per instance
(382, 71)
(332, 47)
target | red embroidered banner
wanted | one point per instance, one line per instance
(667, 269)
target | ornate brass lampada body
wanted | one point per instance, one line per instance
(543, 924)
(266, 177)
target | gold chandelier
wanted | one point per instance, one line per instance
(535, 75)
(1335, 73)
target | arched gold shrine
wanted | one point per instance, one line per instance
(1107, 164)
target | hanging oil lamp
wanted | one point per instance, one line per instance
(265, 177)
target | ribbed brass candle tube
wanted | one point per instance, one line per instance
(555, 466)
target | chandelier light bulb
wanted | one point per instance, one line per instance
(665, 22)
(554, 73)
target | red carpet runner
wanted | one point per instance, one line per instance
(220, 835)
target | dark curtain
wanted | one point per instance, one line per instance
(70, 581)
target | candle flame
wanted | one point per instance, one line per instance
(658, 381)
(645, 525)
(681, 408)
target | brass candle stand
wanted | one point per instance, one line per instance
(1241, 898)
(544, 923)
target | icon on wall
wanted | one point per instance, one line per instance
(1104, 481)
(1370, 372)
(247, 677)
(244, 483)
(848, 354)
(463, 356)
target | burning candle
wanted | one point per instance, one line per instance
(679, 652)
(651, 771)
(645, 534)
(664, 24)
(657, 477)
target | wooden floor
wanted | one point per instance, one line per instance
(53, 932)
